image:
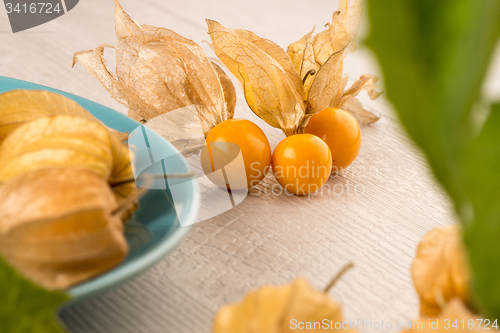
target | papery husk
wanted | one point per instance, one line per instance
(69, 141)
(227, 88)
(56, 141)
(159, 71)
(351, 104)
(123, 191)
(332, 40)
(440, 270)
(329, 50)
(121, 178)
(249, 39)
(272, 87)
(455, 317)
(301, 54)
(327, 88)
(351, 12)
(363, 116)
(286, 88)
(271, 308)
(328, 85)
(20, 106)
(316, 52)
(57, 226)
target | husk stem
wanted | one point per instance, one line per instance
(337, 277)
(310, 72)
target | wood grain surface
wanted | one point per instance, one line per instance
(372, 214)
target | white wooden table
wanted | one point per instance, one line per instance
(389, 198)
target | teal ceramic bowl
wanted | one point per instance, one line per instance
(154, 230)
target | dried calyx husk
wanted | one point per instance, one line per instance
(455, 316)
(70, 141)
(286, 88)
(272, 309)
(58, 228)
(158, 70)
(440, 270)
(20, 106)
(122, 180)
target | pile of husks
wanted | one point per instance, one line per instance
(65, 183)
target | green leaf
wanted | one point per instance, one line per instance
(26, 307)
(481, 179)
(434, 56)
